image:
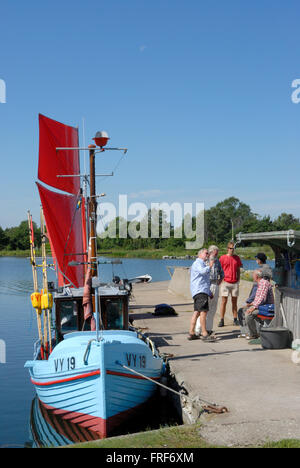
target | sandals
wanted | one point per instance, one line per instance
(193, 337)
(208, 338)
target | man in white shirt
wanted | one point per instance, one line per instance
(200, 290)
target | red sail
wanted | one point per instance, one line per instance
(87, 300)
(53, 162)
(63, 215)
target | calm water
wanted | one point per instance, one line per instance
(18, 331)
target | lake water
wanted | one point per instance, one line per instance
(18, 332)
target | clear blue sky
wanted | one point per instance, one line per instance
(199, 92)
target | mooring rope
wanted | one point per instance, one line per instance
(210, 406)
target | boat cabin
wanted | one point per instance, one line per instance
(112, 305)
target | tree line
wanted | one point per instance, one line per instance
(17, 238)
(221, 223)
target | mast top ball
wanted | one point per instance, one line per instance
(101, 139)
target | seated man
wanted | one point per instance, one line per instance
(264, 295)
(266, 274)
(242, 310)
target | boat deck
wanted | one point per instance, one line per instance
(260, 388)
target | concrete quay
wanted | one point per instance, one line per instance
(260, 388)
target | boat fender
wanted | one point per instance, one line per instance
(36, 300)
(46, 301)
(163, 391)
(164, 369)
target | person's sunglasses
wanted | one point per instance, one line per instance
(230, 248)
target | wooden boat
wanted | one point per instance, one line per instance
(88, 366)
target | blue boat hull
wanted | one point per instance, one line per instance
(99, 384)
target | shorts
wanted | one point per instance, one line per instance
(229, 289)
(201, 302)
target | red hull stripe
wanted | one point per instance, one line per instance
(69, 379)
(89, 374)
(130, 376)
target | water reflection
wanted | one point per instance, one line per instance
(56, 428)
(51, 428)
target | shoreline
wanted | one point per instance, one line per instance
(246, 253)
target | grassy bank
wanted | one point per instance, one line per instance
(14, 253)
(144, 253)
(247, 253)
(179, 437)
(175, 436)
(244, 252)
(22, 253)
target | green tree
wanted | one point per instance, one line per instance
(3, 239)
(285, 222)
(227, 217)
(18, 237)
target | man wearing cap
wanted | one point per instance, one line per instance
(266, 269)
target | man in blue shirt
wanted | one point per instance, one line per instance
(200, 290)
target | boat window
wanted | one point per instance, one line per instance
(114, 315)
(68, 315)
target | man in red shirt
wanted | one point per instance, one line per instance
(231, 265)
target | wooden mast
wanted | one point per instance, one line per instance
(93, 212)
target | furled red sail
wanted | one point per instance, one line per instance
(53, 163)
(87, 296)
(63, 215)
(84, 228)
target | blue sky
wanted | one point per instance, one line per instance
(199, 92)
